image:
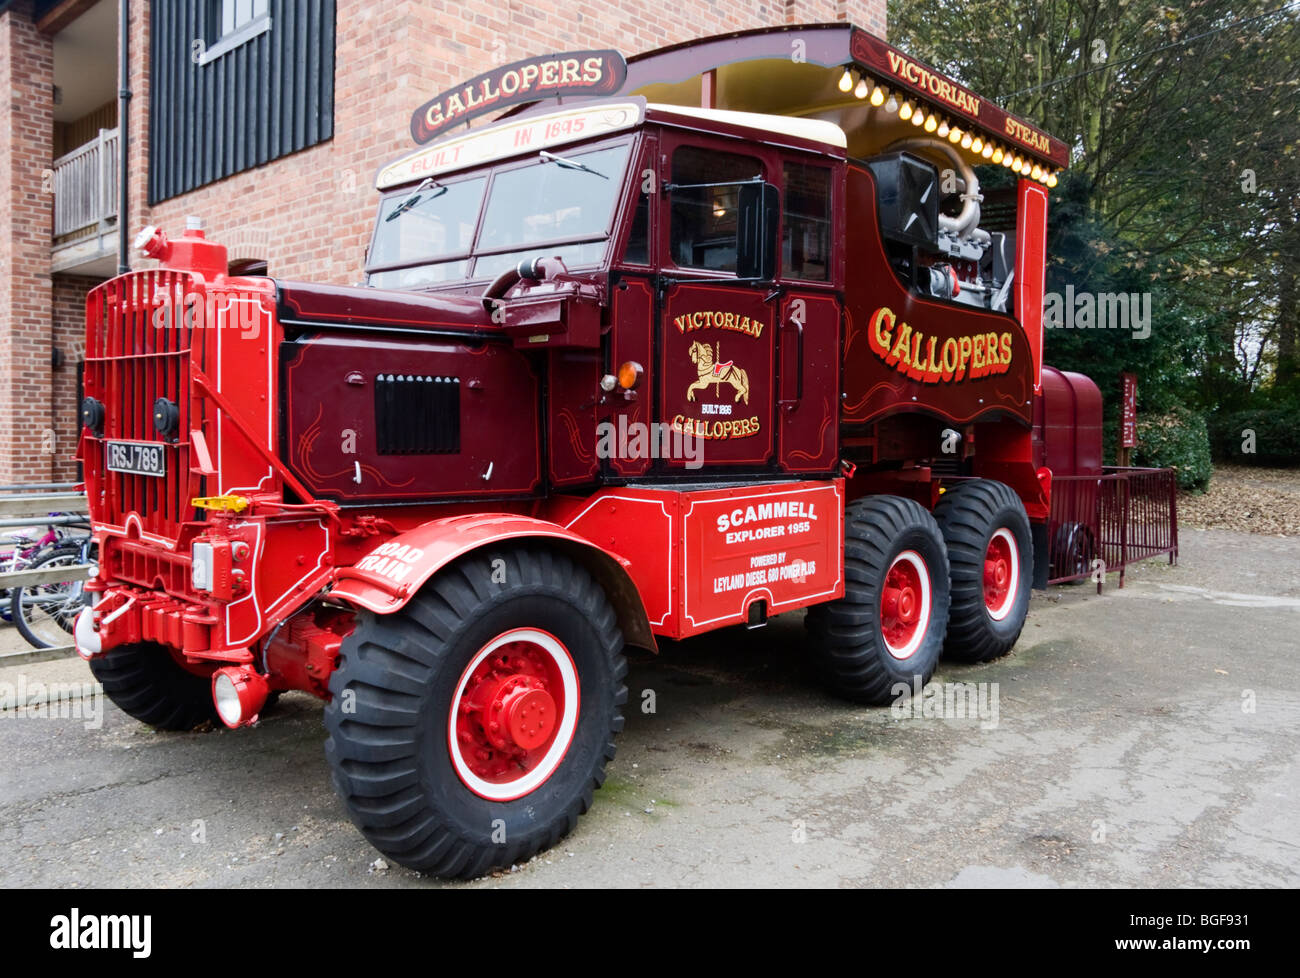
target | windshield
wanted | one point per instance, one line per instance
(439, 223)
(565, 200)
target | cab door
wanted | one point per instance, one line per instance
(716, 334)
(808, 330)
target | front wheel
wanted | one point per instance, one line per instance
(147, 681)
(470, 729)
(888, 628)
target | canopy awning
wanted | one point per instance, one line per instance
(840, 73)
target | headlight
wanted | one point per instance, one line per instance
(239, 694)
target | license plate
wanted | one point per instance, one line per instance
(137, 457)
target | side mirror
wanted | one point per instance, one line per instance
(757, 231)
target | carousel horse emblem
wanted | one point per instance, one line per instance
(713, 371)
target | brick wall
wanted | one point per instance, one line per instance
(314, 211)
(26, 151)
(68, 319)
(308, 215)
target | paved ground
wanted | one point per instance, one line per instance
(1144, 738)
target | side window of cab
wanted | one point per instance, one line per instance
(704, 199)
(806, 232)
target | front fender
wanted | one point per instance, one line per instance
(388, 577)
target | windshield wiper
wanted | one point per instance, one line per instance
(415, 197)
(569, 164)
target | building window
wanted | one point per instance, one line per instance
(234, 22)
(261, 92)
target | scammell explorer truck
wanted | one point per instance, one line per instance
(670, 345)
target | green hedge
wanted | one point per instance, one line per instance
(1179, 440)
(1272, 431)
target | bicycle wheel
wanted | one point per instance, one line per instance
(45, 613)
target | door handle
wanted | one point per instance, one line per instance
(786, 403)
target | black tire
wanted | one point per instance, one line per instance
(970, 514)
(848, 639)
(1073, 551)
(145, 682)
(44, 625)
(390, 756)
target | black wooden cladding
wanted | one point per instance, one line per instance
(271, 96)
(417, 415)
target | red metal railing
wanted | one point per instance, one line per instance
(1119, 517)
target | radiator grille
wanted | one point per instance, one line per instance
(417, 414)
(134, 355)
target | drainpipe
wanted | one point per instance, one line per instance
(123, 135)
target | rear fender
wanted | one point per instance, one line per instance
(388, 577)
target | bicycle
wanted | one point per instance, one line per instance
(45, 614)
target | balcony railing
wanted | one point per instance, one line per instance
(85, 186)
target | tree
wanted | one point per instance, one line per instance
(1184, 182)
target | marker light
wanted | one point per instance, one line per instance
(878, 96)
(846, 80)
(202, 565)
(629, 375)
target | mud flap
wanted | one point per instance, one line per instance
(1039, 532)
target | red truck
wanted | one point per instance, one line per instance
(673, 345)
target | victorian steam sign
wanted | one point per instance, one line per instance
(910, 75)
(570, 73)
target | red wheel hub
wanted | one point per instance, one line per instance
(509, 708)
(904, 604)
(997, 573)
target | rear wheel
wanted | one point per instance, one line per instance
(146, 682)
(888, 628)
(469, 730)
(992, 559)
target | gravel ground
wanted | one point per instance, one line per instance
(1245, 499)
